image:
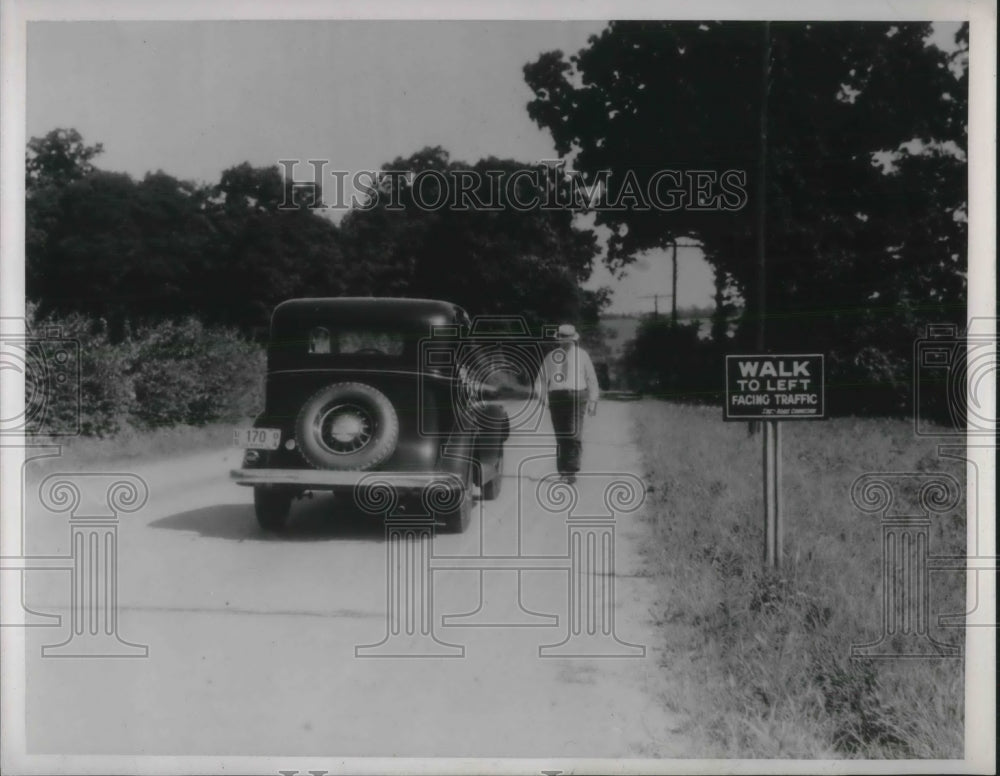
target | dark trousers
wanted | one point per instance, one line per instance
(567, 408)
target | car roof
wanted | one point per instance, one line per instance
(369, 309)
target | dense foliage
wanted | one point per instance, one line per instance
(486, 251)
(858, 194)
(165, 374)
(135, 252)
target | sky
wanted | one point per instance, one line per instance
(193, 98)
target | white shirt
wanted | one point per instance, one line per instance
(568, 370)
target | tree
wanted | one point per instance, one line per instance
(668, 359)
(135, 252)
(51, 163)
(57, 159)
(494, 249)
(272, 247)
(123, 250)
(864, 168)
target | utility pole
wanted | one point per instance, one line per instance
(761, 210)
(773, 528)
(765, 78)
(656, 303)
(673, 310)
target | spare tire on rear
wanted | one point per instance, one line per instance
(347, 426)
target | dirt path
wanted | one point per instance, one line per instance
(253, 640)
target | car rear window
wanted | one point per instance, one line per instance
(355, 341)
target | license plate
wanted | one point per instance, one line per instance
(257, 438)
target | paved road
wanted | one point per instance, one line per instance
(252, 639)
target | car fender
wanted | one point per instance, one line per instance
(458, 455)
(493, 422)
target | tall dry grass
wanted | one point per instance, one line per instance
(762, 659)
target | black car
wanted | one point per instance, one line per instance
(366, 392)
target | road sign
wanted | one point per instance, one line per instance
(775, 387)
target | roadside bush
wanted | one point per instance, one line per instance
(107, 397)
(187, 373)
(670, 361)
(100, 403)
(169, 374)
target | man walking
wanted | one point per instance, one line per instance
(567, 382)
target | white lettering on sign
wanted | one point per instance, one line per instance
(767, 369)
(797, 398)
(774, 385)
(778, 384)
(755, 399)
(781, 384)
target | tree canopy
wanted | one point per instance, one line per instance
(492, 246)
(865, 153)
(864, 167)
(106, 245)
(111, 247)
(58, 158)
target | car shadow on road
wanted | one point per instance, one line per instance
(317, 519)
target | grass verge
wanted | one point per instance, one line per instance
(761, 659)
(134, 446)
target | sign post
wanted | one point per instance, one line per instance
(772, 388)
(772, 495)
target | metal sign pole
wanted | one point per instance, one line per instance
(769, 477)
(773, 523)
(779, 528)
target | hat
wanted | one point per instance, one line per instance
(567, 332)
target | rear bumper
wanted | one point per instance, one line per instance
(313, 479)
